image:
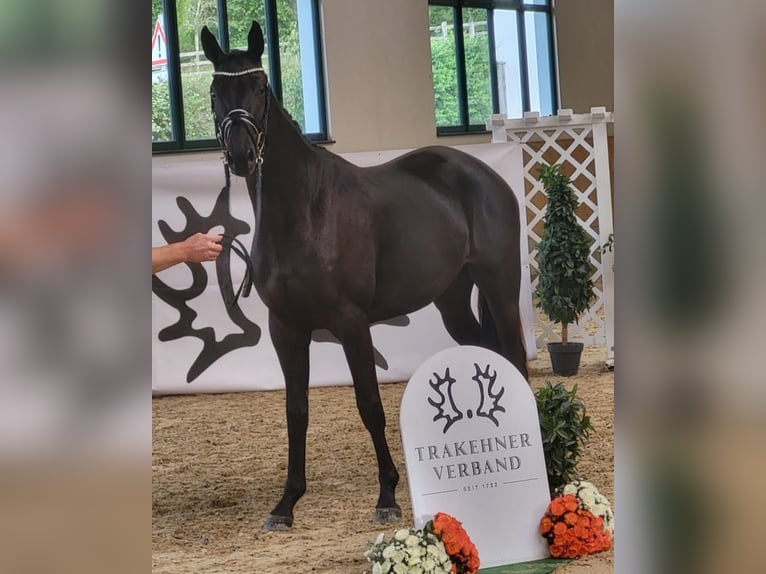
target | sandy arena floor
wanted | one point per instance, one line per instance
(219, 465)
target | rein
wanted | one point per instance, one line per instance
(236, 246)
(258, 135)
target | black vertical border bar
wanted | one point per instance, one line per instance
(223, 25)
(493, 61)
(272, 32)
(321, 80)
(177, 126)
(462, 84)
(523, 60)
(553, 62)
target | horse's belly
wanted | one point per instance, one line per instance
(414, 283)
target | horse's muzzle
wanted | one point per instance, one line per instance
(243, 162)
(240, 151)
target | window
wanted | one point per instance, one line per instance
(490, 56)
(181, 75)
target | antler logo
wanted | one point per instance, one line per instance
(449, 412)
(446, 407)
(486, 384)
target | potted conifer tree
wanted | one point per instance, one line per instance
(565, 287)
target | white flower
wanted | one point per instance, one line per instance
(388, 552)
(379, 539)
(400, 569)
(570, 489)
(402, 534)
(432, 550)
(377, 568)
(412, 540)
(413, 560)
(429, 564)
(587, 498)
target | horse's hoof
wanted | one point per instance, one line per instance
(387, 515)
(276, 523)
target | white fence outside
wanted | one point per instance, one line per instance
(578, 142)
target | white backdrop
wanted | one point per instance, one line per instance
(404, 348)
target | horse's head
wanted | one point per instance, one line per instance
(239, 96)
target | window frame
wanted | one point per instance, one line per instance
(522, 8)
(178, 141)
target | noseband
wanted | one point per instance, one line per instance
(256, 132)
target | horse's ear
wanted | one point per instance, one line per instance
(255, 40)
(210, 45)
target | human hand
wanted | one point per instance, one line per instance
(202, 247)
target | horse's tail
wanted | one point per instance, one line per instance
(488, 337)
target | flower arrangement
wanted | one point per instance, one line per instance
(465, 557)
(571, 530)
(442, 546)
(593, 501)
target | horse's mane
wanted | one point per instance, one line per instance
(298, 127)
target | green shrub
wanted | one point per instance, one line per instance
(565, 427)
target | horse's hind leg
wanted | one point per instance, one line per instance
(455, 307)
(353, 329)
(501, 291)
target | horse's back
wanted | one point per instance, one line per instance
(450, 167)
(488, 203)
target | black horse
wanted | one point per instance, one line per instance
(339, 247)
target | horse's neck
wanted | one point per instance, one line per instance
(284, 206)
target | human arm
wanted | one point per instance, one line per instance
(194, 249)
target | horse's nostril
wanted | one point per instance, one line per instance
(250, 154)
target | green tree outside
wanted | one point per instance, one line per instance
(195, 75)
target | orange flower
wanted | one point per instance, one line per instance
(557, 506)
(570, 518)
(580, 531)
(570, 502)
(556, 550)
(545, 524)
(597, 522)
(559, 528)
(578, 549)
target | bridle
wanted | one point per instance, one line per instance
(257, 134)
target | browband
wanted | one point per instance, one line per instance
(242, 73)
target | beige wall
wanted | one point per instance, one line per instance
(378, 69)
(585, 38)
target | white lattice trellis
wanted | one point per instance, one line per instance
(579, 143)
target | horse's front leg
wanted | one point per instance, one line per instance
(292, 347)
(354, 332)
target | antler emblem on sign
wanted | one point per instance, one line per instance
(446, 406)
(486, 384)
